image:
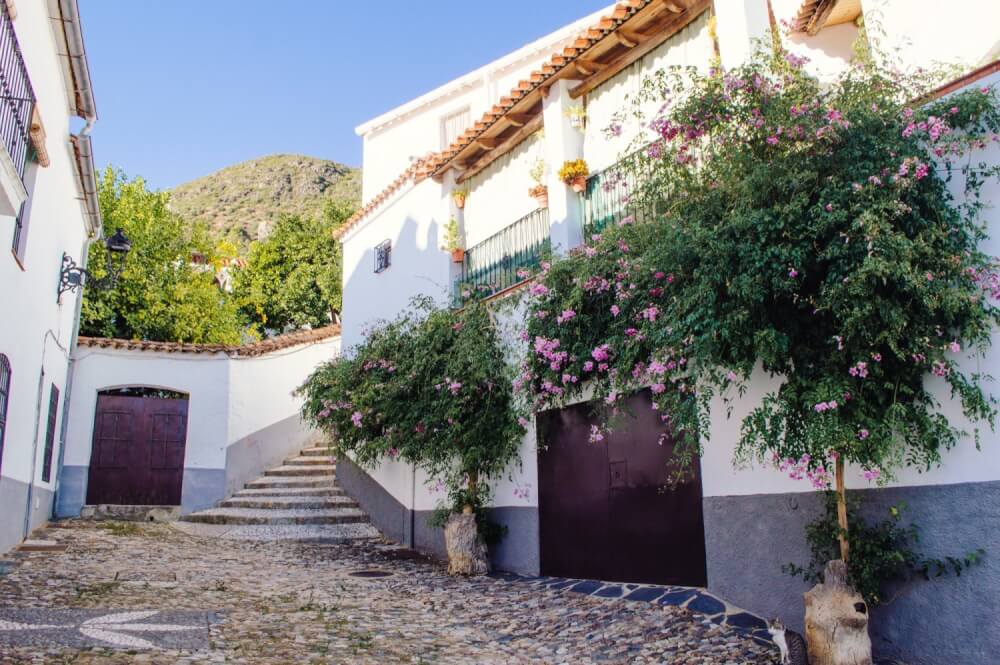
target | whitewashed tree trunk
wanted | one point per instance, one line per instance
(837, 621)
(466, 555)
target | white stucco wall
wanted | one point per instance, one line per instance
(964, 463)
(230, 398)
(35, 332)
(413, 222)
(498, 195)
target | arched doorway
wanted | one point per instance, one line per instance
(137, 457)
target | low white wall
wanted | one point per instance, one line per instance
(242, 413)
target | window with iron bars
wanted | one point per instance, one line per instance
(383, 256)
(50, 434)
(17, 97)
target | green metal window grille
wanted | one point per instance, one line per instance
(50, 434)
(616, 193)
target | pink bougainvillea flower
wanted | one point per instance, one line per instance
(615, 310)
(356, 418)
(863, 434)
(601, 352)
(954, 347)
(565, 316)
(793, 273)
(731, 375)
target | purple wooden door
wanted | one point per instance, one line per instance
(138, 451)
(604, 510)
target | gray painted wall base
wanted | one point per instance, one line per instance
(950, 619)
(72, 494)
(517, 552)
(13, 501)
(200, 489)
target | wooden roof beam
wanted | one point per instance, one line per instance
(518, 119)
(487, 143)
(506, 146)
(671, 6)
(588, 67)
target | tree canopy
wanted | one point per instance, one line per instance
(162, 294)
(292, 278)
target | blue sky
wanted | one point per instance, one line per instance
(187, 87)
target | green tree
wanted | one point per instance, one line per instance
(292, 278)
(161, 295)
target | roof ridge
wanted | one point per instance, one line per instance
(262, 347)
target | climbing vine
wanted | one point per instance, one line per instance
(828, 236)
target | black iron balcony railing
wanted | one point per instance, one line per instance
(501, 261)
(616, 193)
(17, 98)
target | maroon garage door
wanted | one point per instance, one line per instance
(604, 510)
(138, 452)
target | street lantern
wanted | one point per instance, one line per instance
(73, 277)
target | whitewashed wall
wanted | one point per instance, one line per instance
(960, 465)
(242, 414)
(691, 47)
(414, 224)
(35, 331)
(498, 195)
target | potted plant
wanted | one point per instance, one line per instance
(574, 173)
(539, 191)
(577, 117)
(452, 241)
(459, 196)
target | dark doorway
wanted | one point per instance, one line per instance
(604, 509)
(138, 451)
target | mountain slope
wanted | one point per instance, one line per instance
(241, 200)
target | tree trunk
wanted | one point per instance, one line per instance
(837, 621)
(466, 554)
(842, 510)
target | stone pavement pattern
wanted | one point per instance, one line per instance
(287, 602)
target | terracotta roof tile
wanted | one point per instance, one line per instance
(246, 350)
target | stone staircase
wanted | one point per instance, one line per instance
(299, 500)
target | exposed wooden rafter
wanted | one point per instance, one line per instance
(503, 148)
(518, 119)
(676, 24)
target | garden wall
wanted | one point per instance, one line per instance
(242, 415)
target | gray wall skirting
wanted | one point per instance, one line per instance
(388, 515)
(950, 619)
(13, 500)
(202, 488)
(247, 458)
(72, 494)
(517, 552)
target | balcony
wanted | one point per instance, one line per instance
(493, 265)
(615, 193)
(17, 101)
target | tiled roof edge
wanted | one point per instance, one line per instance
(245, 350)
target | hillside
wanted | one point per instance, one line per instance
(241, 200)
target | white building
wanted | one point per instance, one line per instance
(48, 210)
(483, 133)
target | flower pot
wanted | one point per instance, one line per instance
(579, 184)
(458, 255)
(460, 202)
(541, 195)
(576, 121)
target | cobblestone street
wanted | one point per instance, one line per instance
(151, 592)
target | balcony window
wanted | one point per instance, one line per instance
(17, 98)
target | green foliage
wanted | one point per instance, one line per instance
(431, 388)
(882, 553)
(292, 278)
(452, 240)
(806, 230)
(161, 295)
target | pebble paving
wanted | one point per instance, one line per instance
(286, 602)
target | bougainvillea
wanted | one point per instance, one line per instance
(432, 388)
(828, 235)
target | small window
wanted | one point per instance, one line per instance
(50, 434)
(4, 398)
(383, 255)
(20, 244)
(453, 125)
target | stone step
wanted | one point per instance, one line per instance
(284, 490)
(332, 534)
(289, 502)
(271, 517)
(317, 451)
(291, 482)
(318, 470)
(309, 461)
